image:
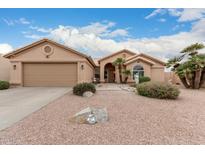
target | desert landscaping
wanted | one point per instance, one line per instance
(133, 119)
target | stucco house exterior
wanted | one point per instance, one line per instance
(47, 63)
(142, 64)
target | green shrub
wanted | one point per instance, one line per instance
(4, 85)
(80, 88)
(158, 90)
(144, 79)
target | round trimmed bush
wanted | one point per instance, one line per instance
(144, 79)
(158, 90)
(4, 85)
(80, 88)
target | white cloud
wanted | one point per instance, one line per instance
(5, 48)
(11, 22)
(41, 29)
(198, 28)
(162, 47)
(174, 12)
(88, 42)
(24, 21)
(33, 36)
(97, 28)
(191, 14)
(8, 22)
(156, 12)
(183, 15)
(162, 20)
(117, 32)
(177, 27)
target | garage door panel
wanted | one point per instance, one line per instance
(50, 74)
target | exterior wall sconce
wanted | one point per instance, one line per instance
(14, 67)
(82, 67)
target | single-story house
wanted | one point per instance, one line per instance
(47, 63)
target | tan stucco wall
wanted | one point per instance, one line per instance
(86, 74)
(111, 60)
(5, 66)
(157, 74)
(16, 75)
(171, 77)
(89, 73)
(36, 54)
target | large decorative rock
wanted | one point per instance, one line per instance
(100, 114)
(91, 119)
(90, 116)
(87, 94)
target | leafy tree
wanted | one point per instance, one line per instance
(119, 63)
(190, 66)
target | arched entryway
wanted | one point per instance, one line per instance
(109, 73)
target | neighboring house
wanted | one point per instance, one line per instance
(142, 64)
(4, 69)
(47, 63)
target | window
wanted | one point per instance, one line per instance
(138, 69)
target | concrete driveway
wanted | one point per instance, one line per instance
(17, 103)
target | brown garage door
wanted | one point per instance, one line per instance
(49, 74)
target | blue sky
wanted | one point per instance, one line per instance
(97, 32)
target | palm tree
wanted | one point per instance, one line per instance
(119, 63)
(192, 49)
(127, 73)
(192, 71)
(179, 69)
(198, 65)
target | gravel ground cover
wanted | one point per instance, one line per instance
(133, 119)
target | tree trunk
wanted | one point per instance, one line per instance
(184, 82)
(120, 73)
(193, 80)
(197, 79)
(126, 78)
(202, 80)
(190, 80)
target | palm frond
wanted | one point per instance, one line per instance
(192, 49)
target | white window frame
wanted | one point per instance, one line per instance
(137, 71)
